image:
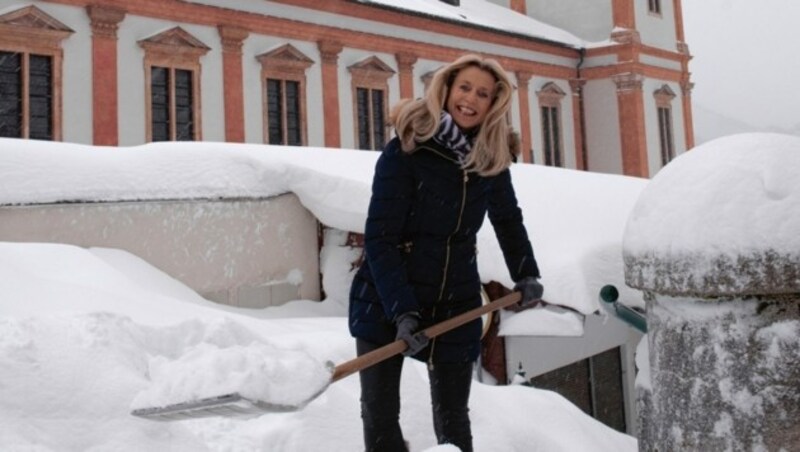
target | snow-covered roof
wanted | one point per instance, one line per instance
(485, 14)
(575, 218)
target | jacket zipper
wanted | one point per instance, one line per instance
(447, 257)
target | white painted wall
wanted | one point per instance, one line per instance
(587, 19)
(603, 139)
(654, 29)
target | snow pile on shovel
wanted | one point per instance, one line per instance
(257, 371)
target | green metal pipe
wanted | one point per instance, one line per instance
(610, 295)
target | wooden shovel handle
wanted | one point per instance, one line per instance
(387, 351)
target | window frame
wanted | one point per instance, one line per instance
(174, 49)
(30, 31)
(654, 7)
(666, 129)
(371, 74)
(286, 64)
(550, 98)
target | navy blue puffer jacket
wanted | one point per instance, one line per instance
(420, 244)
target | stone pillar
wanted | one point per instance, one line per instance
(232, 38)
(105, 22)
(688, 118)
(721, 278)
(405, 68)
(630, 101)
(576, 86)
(329, 52)
(523, 79)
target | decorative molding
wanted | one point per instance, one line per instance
(175, 43)
(550, 95)
(523, 77)
(576, 85)
(372, 68)
(329, 51)
(105, 20)
(31, 26)
(683, 48)
(626, 36)
(285, 58)
(629, 81)
(232, 37)
(405, 61)
(687, 87)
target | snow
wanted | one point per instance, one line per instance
(82, 343)
(733, 196)
(90, 334)
(575, 219)
(486, 14)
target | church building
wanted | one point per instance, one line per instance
(600, 85)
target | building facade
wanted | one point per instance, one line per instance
(600, 85)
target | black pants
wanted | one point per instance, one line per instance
(380, 403)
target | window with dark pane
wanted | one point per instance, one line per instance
(362, 103)
(378, 129)
(10, 94)
(665, 135)
(551, 138)
(554, 124)
(655, 6)
(159, 103)
(593, 384)
(40, 97)
(275, 111)
(184, 105)
(293, 135)
(546, 142)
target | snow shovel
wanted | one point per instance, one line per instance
(235, 405)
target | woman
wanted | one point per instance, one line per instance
(433, 185)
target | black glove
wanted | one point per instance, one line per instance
(531, 291)
(407, 326)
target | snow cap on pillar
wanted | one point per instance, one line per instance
(721, 219)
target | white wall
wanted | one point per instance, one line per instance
(603, 139)
(588, 19)
(656, 30)
(238, 252)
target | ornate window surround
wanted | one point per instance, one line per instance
(285, 63)
(174, 49)
(373, 74)
(551, 96)
(666, 131)
(29, 30)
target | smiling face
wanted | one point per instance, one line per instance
(470, 97)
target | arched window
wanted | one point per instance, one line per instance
(370, 83)
(31, 74)
(283, 75)
(172, 85)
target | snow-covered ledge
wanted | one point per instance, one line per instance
(714, 243)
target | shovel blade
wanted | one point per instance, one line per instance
(229, 405)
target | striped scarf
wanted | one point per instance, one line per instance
(450, 136)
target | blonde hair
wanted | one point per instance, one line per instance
(417, 120)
